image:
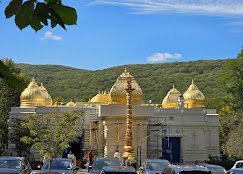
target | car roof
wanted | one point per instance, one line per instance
(11, 158)
(118, 168)
(157, 160)
(212, 165)
(105, 159)
(61, 159)
(189, 167)
(239, 161)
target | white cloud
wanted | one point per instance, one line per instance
(209, 7)
(162, 57)
(49, 35)
(236, 23)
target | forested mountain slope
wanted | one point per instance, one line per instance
(155, 79)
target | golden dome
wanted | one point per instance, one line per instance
(32, 96)
(71, 103)
(118, 91)
(101, 97)
(193, 97)
(171, 99)
(48, 99)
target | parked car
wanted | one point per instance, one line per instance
(14, 165)
(238, 164)
(102, 162)
(152, 166)
(61, 165)
(186, 169)
(118, 169)
(235, 171)
(43, 172)
(215, 169)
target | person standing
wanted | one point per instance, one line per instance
(72, 157)
(90, 159)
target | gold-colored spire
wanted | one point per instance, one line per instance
(125, 71)
(118, 92)
(101, 97)
(171, 99)
(47, 97)
(32, 96)
(71, 103)
(193, 97)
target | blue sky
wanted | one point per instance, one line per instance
(118, 32)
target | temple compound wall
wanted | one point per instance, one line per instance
(180, 135)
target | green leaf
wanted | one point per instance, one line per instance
(43, 12)
(55, 19)
(53, 23)
(24, 15)
(67, 14)
(12, 8)
(35, 23)
(54, 1)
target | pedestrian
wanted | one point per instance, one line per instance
(72, 157)
(90, 159)
(117, 155)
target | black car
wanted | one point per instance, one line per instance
(102, 162)
(118, 169)
(14, 165)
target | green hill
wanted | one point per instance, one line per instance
(154, 79)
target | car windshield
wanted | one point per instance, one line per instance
(11, 164)
(59, 165)
(102, 163)
(156, 165)
(217, 170)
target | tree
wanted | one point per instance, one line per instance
(51, 134)
(232, 81)
(16, 134)
(36, 14)
(231, 118)
(233, 145)
(10, 89)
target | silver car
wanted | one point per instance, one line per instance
(61, 165)
(14, 165)
(153, 166)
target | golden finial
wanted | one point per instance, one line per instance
(192, 81)
(125, 70)
(41, 83)
(105, 92)
(33, 79)
(173, 86)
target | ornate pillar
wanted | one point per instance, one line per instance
(128, 137)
